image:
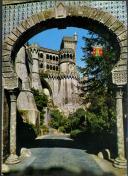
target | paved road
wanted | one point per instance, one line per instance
(71, 159)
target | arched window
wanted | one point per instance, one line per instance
(50, 67)
(41, 55)
(41, 65)
(71, 56)
(50, 57)
(53, 67)
(47, 56)
(67, 55)
(56, 68)
(47, 66)
(53, 57)
(56, 58)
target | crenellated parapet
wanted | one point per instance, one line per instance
(59, 75)
(67, 55)
(34, 51)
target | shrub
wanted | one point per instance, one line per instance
(77, 119)
(41, 101)
(74, 133)
(62, 129)
(57, 119)
(44, 129)
(40, 98)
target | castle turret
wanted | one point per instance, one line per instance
(67, 60)
(68, 54)
(36, 83)
(70, 42)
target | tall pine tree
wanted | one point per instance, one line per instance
(98, 89)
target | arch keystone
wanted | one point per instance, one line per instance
(60, 10)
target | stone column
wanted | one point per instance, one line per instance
(45, 63)
(13, 158)
(120, 161)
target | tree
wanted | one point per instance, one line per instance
(41, 101)
(98, 89)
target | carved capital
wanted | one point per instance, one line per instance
(119, 73)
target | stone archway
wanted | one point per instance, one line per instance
(85, 17)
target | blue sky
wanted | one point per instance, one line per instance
(52, 39)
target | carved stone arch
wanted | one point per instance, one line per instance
(85, 17)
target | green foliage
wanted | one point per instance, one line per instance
(99, 90)
(44, 129)
(57, 119)
(75, 120)
(41, 101)
(74, 133)
(62, 129)
(40, 98)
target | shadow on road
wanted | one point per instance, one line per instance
(90, 144)
(54, 172)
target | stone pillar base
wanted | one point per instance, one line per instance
(5, 168)
(12, 159)
(120, 163)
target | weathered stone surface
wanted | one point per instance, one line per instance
(7, 69)
(25, 25)
(117, 27)
(6, 64)
(30, 22)
(41, 16)
(124, 49)
(27, 107)
(123, 55)
(35, 19)
(120, 161)
(9, 41)
(16, 32)
(105, 18)
(110, 22)
(12, 37)
(21, 29)
(25, 152)
(48, 14)
(6, 58)
(122, 36)
(18, 1)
